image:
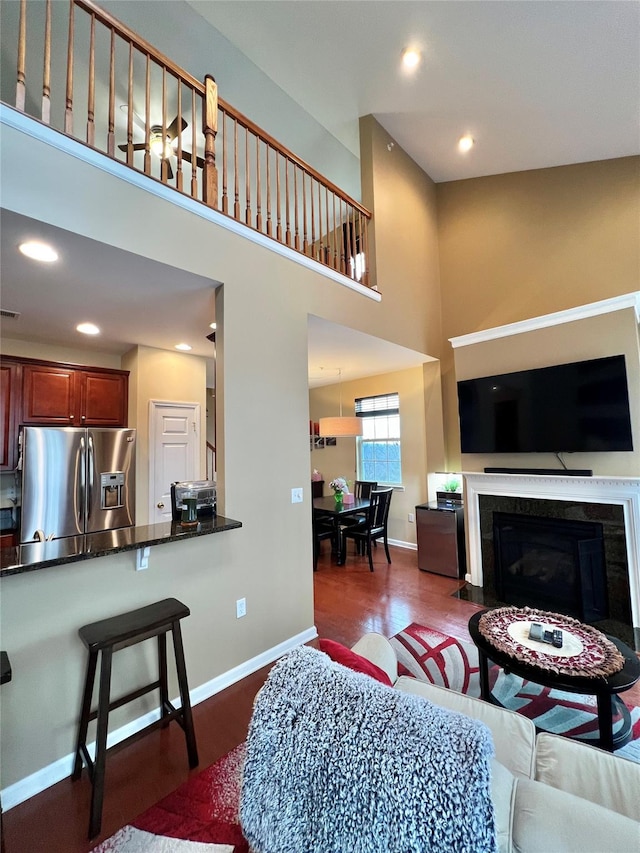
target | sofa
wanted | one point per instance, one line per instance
(550, 794)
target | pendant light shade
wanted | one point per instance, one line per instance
(340, 426)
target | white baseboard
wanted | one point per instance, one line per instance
(31, 785)
(410, 546)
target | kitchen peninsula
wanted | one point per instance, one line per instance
(41, 555)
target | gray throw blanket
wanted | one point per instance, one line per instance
(339, 763)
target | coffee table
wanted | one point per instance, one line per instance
(605, 689)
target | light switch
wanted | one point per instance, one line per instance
(142, 558)
(296, 496)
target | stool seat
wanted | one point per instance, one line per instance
(125, 629)
(105, 637)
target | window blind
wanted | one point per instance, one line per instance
(379, 406)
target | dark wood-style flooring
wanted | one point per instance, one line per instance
(349, 601)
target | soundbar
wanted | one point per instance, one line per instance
(554, 472)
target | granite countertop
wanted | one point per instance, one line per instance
(41, 555)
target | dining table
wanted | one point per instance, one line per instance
(327, 508)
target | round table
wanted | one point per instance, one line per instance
(605, 689)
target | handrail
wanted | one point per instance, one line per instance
(261, 183)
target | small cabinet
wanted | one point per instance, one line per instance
(440, 534)
(61, 395)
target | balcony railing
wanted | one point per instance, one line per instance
(89, 76)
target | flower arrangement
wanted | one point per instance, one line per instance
(339, 485)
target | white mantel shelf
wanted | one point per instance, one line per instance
(622, 491)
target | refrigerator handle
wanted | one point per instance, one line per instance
(90, 477)
(82, 484)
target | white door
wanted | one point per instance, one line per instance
(174, 452)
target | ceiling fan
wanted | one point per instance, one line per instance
(162, 146)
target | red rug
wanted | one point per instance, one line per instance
(201, 816)
(429, 655)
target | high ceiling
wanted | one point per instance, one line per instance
(538, 83)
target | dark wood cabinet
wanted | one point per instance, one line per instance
(9, 404)
(62, 395)
(43, 393)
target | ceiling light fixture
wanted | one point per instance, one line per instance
(38, 251)
(466, 143)
(411, 58)
(183, 347)
(213, 326)
(340, 426)
(88, 329)
(159, 145)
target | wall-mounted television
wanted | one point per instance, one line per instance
(571, 408)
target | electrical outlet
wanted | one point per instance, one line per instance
(296, 496)
(411, 517)
(241, 608)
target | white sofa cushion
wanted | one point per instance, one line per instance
(547, 820)
(589, 772)
(378, 650)
(514, 736)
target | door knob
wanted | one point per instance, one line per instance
(160, 505)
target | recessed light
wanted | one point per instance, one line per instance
(213, 326)
(183, 347)
(38, 251)
(466, 143)
(88, 329)
(411, 58)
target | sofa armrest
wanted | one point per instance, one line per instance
(514, 736)
(590, 773)
(378, 650)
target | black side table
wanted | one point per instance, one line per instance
(604, 689)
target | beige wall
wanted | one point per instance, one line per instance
(418, 391)
(50, 352)
(522, 245)
(608, 334)
(170, 377)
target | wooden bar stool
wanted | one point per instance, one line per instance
(109, 636)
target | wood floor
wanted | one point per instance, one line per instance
(349, 601)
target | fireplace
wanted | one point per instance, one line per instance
(551, 563)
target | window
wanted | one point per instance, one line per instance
(379, 448)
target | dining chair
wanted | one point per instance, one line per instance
(361, 491)
(374, 528)
(322, 529)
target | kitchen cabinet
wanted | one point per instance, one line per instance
(63, 395)
(9, 402)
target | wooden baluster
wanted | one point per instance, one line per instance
(111, 137)
(21, 79)
(236, 177)
(349, 256)
(258, 187)
(225, 198)
(296, 241)
(210, 127)
(336, 262)
(164, 163)
(305, 242)
(313, 219)
(147, 120)
(362, 226)
(130, 108)
(278, 201)
(194, 159)
(269, 222)
(320, 253)
(343, 248)
(46, 67)
(286, 190)
(247, 183)
(179, 148)
(91, 128)
(327, 254)
(68, 108)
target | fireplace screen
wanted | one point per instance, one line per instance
(551, 563)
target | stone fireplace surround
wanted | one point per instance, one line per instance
(621, 491)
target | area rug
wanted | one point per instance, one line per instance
(429, 655)
(201, 816)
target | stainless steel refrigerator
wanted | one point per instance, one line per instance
(76, 481)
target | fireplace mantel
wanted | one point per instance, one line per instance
(622, 491)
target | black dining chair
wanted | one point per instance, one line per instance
(322, 529)
(374, 528)
(361, 491)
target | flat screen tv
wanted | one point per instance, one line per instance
(571, 408)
